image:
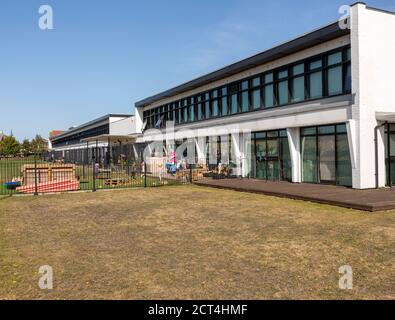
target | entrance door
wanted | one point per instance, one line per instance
(272, 159)
(327, 156)
(260, 148)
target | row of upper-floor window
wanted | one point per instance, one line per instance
(325, 75)
(77, 137)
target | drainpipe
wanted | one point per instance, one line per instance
(376, 144)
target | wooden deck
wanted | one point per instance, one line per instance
(367, 200)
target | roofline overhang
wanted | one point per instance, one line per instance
(90, 123)
(313, 38)
(113, 138)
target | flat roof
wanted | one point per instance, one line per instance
(90, 123)
(112, 138)
(313, 38)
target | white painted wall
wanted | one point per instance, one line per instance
(124, 126)
(295, 151)
(373, 67)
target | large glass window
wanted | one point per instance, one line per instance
(244, 101)
(335, 81)
(326, 155)
(234, 103)
(256, 99)
(269, 96)
(298, 89)
(224, 106)
(344, 170)
(309, 159)
(207, 109)
(192, 113)
(271, 158)
(200, 111)
(316, 85)
(283, 94)
(215, 108)
(325, 75)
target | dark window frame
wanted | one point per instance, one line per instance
(236, 88)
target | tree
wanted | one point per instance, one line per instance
(26, 147)
(9, 146)
(39, 144)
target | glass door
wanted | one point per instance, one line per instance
(260, 148)
(327, 156)
(272, 163)
(272, 159)
(309, 159)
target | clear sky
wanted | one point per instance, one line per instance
(105, 55)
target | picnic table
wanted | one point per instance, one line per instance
(116, 182)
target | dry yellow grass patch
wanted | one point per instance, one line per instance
(190, 242)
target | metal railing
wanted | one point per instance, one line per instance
(37, 174)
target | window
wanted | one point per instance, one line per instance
(335, 81)
(200, 112)
(256, 82)
(244, 101)
(215, 108)
(224, 106)
(269, 96)
(335, 58)
(282, 87)
(192, 113)
(283, 95)
(324, 75)
(316, 64)
(256, 99)
(269, 90)
(186, 114)
(234, 104)
(208, 111)
(298, 88)
(269, 77)
(326, 155)
(315, 85)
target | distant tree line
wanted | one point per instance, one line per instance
(10, 146)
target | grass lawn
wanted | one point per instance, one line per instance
(187, 242)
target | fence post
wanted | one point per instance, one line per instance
(190, 174)
(145, 174)
(94, 175)
(35, 176)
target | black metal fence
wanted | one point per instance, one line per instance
(47, 174)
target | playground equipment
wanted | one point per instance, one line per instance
(48, 178)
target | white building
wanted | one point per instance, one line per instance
(313, 104)
(99, 135)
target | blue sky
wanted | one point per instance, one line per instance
(105, 55)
